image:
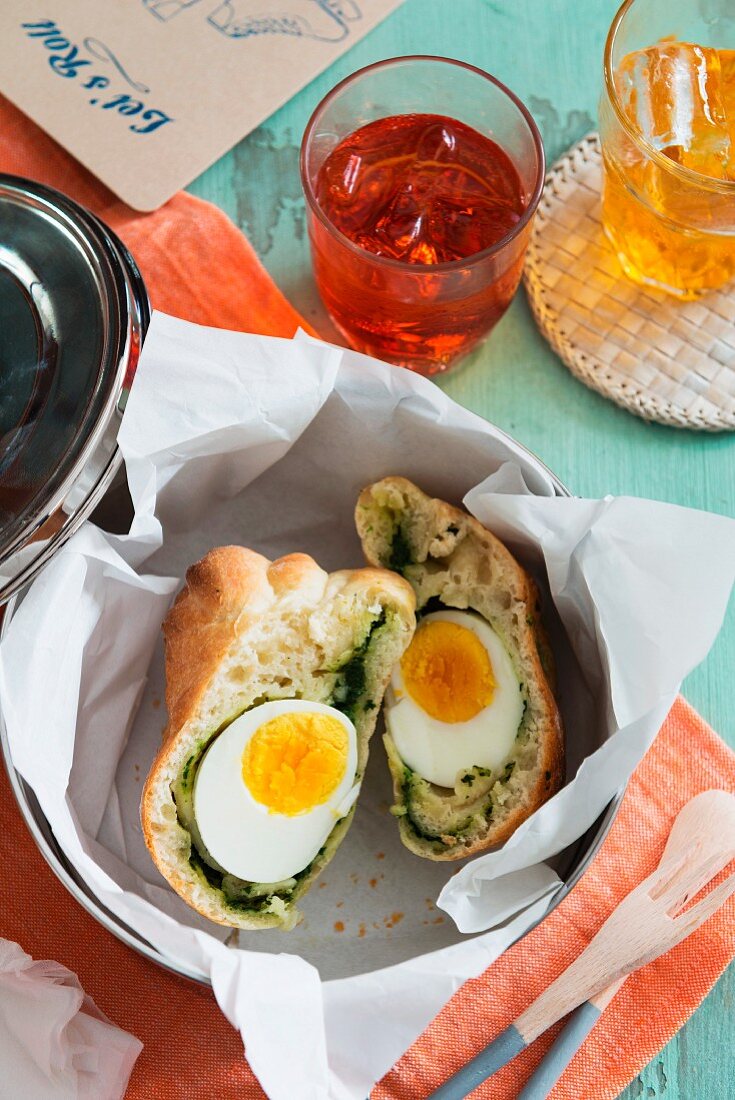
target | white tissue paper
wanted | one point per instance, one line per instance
(229, 437)
(55, 1044)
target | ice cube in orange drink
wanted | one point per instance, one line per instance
(669, 229)
(674, 94)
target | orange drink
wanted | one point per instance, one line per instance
(667, 126)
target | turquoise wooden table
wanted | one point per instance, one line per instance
(549, 52)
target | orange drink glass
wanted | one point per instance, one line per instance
(667, 128)
(421, 177)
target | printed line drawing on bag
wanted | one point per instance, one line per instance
(323, 20)
(167, 9)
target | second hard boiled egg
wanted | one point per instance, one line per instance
(454, 701)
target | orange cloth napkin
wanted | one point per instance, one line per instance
(197, 265)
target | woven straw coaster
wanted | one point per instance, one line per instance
(662, 359)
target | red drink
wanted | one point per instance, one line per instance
(424, 189)
(419, 221)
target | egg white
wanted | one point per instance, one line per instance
(244, 837)
(438, 750)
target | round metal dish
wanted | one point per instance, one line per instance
(73, 314)
(570, 864)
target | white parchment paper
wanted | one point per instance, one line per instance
(236, 438)
(54, 1041)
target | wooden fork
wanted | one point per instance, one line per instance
(709, 817)
(649, 921)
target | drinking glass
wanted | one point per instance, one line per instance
(422, 316)
(671, 225)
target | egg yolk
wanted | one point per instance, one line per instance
(447, 671)
(295, 761)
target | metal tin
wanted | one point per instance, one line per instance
(570, 864)
(73, 314)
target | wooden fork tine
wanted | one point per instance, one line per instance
(704, 909)
(686, 883)
(668, 875)
(685, 923)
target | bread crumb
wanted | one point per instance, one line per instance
(380, 855)
(339, 926)
(361, 930)
(156, 702)
(322, 885)
(340, 904)
(373, 882)
(438, 920)
(429, 903)
(393, 920)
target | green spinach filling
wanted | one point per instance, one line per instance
(352, 681)
(400, 552)
(413, 788)
(432, 605)
(252, 897)
(414, 792)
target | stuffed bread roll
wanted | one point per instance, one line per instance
(474, 736)
(275, 672)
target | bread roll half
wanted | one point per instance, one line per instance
(245, 630)
(452, 561)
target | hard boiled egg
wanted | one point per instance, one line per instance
(454, 701)
(273, 785)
